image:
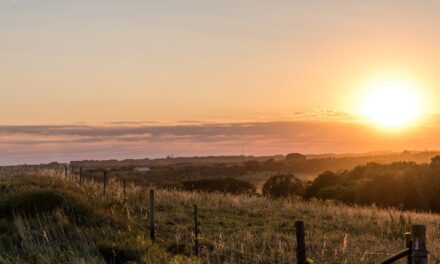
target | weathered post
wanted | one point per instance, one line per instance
(152, 235)
(419, 252)
(65, 172)
(124, 186)
(104, 191)
(300, 243)
(408, 244)
(196, 232)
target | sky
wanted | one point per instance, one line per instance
(96, 63)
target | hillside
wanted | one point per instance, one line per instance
(255, 170)
(46, 219)
(309, 164)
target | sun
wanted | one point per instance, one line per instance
(392, 104)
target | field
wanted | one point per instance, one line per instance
(256, 170)
(47, 218)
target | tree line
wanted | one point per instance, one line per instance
(224, 167)
(401, 184)
(406, 185)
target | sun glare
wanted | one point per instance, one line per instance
(392, 104)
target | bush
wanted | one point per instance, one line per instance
(283, 185)
(226, 185)
(171, 185)
(295, 157)
(340, 193)
(323, 180)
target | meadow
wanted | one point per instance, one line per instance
(47, 218)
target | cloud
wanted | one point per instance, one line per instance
(30, 144)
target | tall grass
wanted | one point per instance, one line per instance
(48, 241)
(254, 229)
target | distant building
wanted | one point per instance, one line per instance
(141, 169)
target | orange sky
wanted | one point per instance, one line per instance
(96, 61)
(91, 63)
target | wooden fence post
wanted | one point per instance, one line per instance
(65, 172)
(300, 243)
(104, 191)
(196, 232)
(408, 244)
(419, 252)
(152, 234)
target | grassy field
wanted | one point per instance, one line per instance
(47, 219)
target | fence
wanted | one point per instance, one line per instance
(415, 243)
(415, 251)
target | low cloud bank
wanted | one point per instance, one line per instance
(35, 144)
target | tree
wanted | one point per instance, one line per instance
(323, 180)
(283, 185)
(295, 157)
(225, 185)
(435, 161)
(252, 165)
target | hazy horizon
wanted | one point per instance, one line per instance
(310, 133)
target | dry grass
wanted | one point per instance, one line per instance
(48, 241)
(254, 229)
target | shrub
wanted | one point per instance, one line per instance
(323, 180)
(227, 185)
(283, 185)
(340, 193)
(295, 157)
(171, 185)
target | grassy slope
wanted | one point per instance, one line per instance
(234, 229)
(47, 220)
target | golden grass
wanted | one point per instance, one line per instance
(255, 229)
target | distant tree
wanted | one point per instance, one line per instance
(295, 157)
(337, 192)
(270, 163)
(283, 185)
(252, 165)
(171, 185)
(435, 161)
(323, 180)
(225, 185)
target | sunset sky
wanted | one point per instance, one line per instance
(158, 63)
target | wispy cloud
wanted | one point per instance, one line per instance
(309, 134)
